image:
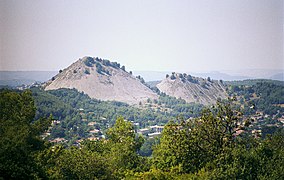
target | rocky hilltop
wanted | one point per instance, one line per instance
(192, 89)
(102, 79)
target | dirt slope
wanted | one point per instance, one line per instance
(192, 89)
(102, 79)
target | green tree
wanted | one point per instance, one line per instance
(87, 71)
(209, 79)
(251, 159)
(124, 146)
(88, 61)
(99, 67)
(86, 162)
(172, 154)
(147, 147)
(188, 146)
(20, 136)
(173, 76)
(216, 128)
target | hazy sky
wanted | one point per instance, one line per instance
(161, 35)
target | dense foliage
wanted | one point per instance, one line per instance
(251, 82)
(75, 110)
(264, 96)
(205, 147)
(20, 136)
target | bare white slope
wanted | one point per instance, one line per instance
(202, 91)
(118, 85)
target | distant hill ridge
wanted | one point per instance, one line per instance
(106, 80)
(193, 89)
(102, 79)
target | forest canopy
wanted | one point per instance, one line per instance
(205, 147)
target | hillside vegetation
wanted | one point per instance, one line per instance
(206, 147)
(74, 111)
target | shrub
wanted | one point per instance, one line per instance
(99, 68)
(106, 62)
(89, 61)
(173, 77)
(115, 64)
(87, 71)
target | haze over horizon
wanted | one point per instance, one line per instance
(183, 36)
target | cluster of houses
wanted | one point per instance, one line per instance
(95, 133)
(151, 131)
(28, 86)
(260, 119)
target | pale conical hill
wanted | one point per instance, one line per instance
(193, 89)
(102, 79)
